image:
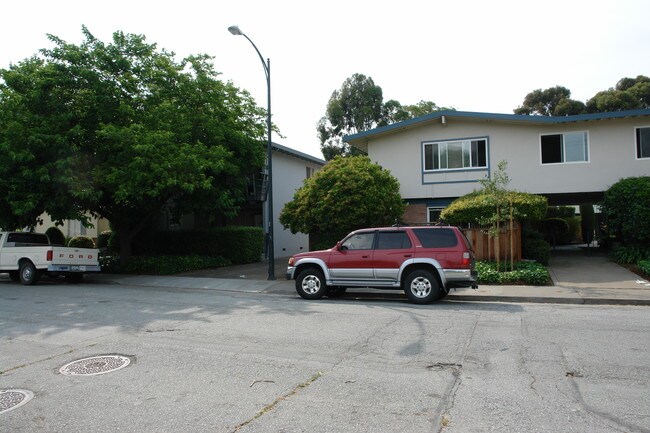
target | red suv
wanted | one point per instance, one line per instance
(423, 261)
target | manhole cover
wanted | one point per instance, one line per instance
(13, 398)
(95, 365)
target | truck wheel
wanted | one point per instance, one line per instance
(14, 276)
(421, 287)
(28, 273)
(310, 284)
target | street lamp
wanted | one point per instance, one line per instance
(269, 148)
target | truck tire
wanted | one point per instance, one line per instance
(28, 273)
(421, 287)
(310, 284)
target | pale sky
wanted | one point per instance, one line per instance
(473, 55)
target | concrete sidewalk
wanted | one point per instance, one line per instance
(578, 278)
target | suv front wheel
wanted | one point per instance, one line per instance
(421, 287)
(310, 284)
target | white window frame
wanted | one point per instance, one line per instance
(463, 142)
(585, 149)
(429, 209)
(636, 145)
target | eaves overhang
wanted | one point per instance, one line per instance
(443, 116)
(297, 154)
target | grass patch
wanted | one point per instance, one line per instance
(525, 273)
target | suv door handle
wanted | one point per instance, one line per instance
(408, 255)
(364, 257)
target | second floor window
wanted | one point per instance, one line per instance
(567, 147)
(456, 154)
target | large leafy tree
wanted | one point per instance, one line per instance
(122, 130)
(554, 101)
(628, 94)
(347, 194)
(359, 106)
(355, 107)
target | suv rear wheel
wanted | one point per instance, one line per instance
(310, 284)
(421, 287)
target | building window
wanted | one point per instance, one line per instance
(643, 142)
(433, 214)
(567, 147)
(455, 155)
(309, 172)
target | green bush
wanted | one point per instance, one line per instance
(560, 212)
(631, 255)
(525, 273)
(237, 244)
(587, 223)
(160, 265)
(81, 242)
(55, 235)
(103, 239)
(627, 208)
(478, 206)
(536, 249)
(644, 265)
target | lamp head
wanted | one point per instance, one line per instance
(235, 30)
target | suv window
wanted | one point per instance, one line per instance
(436, 238)
(359, 241)
(393, 240)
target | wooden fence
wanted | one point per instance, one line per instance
(485, 246)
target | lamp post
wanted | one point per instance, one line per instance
(269, 159)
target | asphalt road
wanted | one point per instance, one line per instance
(214, 361)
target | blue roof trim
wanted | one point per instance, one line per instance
(496, 116)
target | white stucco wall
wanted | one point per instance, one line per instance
(289, 173)
(612, 156)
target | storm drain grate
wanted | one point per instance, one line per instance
(95, 365)
(12, 398)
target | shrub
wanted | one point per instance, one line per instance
(525, 273)
(103, 239)
(160, 265)
(644, 265)
(587, 223)
(536, 249)
(478, 206)
(81, 242)
(627, 209)
(630, 255)
(237, 244)
(55, 235)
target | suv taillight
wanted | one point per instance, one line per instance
(467, 258)
(49, 256)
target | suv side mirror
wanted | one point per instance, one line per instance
(340, 246)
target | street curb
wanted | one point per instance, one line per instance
(548, 300)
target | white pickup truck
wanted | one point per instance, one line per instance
(27, 256)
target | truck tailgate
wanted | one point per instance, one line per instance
(75, 256)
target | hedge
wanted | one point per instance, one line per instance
(238, 245)
(478, 206)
